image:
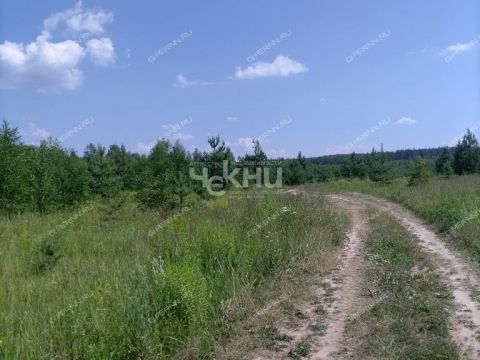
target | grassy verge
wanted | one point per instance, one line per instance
(116, 282)
(408, 318)
(452, 205)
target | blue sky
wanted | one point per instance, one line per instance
(333, 76)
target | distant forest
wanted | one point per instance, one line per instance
(391, 155)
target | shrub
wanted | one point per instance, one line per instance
(45, 254)
(421, 173)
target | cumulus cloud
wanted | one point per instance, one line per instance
(184, 82)
(78, 20)
(406, 120)
(282, 66)
(41, 64)
(45, 64)
(33, 135)
(101, 51)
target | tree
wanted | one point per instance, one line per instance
(323, 173)
(296, 171)
(258, 153)
(214, 142)
(466, 159)
(443, 165)
(72, 178)
(104, 181)
(421, 173)
(379, 168)
(160, 177)
(43, 170)
(121, 162)
(12, 179)
(354, 167)
(182, 184)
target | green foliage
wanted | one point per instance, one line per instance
(41, 178)
(443, 164)
(295, 171)
(72, 179)
(466, 159)
(354, 167)
(421, 174)
(378, 167)
(167, 181)
(45, 253)
(43, 170)
(104, 180)
(11, 173)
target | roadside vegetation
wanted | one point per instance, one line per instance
(408, 316)
(126, 283)
(450, 204)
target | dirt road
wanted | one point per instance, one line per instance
(340, 293)
(454, 271)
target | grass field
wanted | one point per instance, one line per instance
(452, 205)
(112, 281)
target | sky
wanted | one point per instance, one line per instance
(323, 77)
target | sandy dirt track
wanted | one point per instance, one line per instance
(340, 292)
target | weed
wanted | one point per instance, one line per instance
(302, 349)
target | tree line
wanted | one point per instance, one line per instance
(48, 177)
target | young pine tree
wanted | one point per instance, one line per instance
(421, 174)
(466, 159)
(443, 165)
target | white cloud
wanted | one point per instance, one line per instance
(184, 82)
(241, 144)
(181, 136)
(171, 128)
(44, 64)
(282, 66)
(458, 48)
(277, 153)
(405, 120)
(323, 100)
(77, 20)
(33, 134)
(144, 148)
(232, 119)
(101, 51)
(41, 64)
(171, 136)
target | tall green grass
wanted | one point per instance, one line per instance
(453, 204)
(102, 287)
